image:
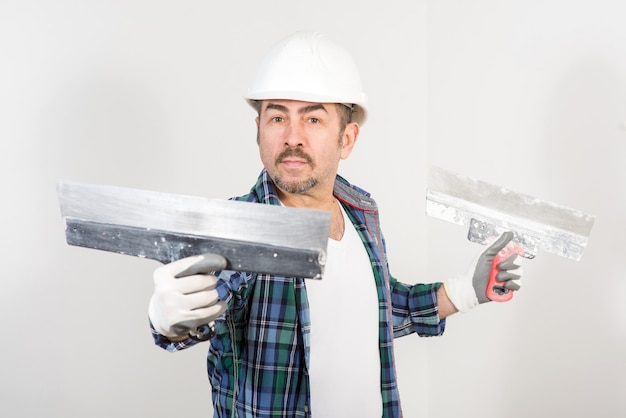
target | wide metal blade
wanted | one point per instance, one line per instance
(488, 210)
(166, 227)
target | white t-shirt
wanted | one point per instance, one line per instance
(345, 360)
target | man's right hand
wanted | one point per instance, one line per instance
(184, 295)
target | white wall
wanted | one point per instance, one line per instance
(148, 94)
(532, 96)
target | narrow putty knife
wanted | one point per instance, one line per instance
(487, 210)
(165, 227)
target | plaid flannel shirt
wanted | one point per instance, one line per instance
(258, 361)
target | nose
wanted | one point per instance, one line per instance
(294, 134)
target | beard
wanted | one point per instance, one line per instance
(296, 186)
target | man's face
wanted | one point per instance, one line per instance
(301, 144)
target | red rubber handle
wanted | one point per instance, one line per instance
(495, 289)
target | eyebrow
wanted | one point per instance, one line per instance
(303, 110)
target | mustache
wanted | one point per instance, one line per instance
(294, 152)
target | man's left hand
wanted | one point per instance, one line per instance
(469, 290)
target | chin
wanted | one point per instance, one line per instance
(295, 186)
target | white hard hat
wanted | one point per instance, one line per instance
(308, 66)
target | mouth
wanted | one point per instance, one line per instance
(293, 163)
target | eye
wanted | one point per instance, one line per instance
(314, 120)
(277, 119)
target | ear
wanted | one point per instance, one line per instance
(350, 136)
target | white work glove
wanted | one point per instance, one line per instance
(470, 289)
(184, 298)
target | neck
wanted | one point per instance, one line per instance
(321, 200)
(337, 224)
(326, 202)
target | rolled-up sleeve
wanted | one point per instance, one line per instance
(415, 309)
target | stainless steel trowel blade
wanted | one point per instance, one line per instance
(487, 210)
(165, 227)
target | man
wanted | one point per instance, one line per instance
(286, 347)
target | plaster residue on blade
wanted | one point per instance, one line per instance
(274, 225)
(457, 198)
(455, 190)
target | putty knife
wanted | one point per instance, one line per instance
(166, 227)
(487, 210)
(251, 237)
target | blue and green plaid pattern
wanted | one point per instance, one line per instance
(258, 361)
